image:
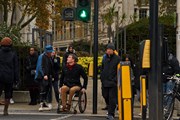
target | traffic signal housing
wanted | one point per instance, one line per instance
(83, 11)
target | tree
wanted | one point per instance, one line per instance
(108, 18)
(41, 10)
(167, 7)
(19, 13)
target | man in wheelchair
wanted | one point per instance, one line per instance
(70, 81)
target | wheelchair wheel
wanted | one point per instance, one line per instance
(82, 102)
(168, 108)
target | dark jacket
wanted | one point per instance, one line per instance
(56, 67)
(47, 65)
(30, 65)
(170, 67)
(9, 68)
(65, 56)
(109, 70)
(72, 77)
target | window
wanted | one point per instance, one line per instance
(71, 30)
(142, 13)
(64, 31)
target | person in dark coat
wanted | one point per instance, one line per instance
(109, 79)
(32, 86)
(70, 80)
(9, 70)
(69, 50)
(55, 76)
(44, 77)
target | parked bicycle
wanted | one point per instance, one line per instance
(169, 98)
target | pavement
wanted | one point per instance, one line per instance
(22, 108)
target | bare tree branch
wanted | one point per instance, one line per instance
(28, 21)
(13, 12)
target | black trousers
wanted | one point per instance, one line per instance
(45, 86)
(110, 96)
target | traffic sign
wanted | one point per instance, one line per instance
(68, 14)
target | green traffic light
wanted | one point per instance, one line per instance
(83, 14)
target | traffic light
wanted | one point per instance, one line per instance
(83, 11)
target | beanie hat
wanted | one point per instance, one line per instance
(6, 41)
(110, 46)
(49, 48)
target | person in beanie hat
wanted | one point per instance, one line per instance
(110, 46)
(9, 72)
(109, 79)
(44, 77)
(6, 41)
(69, 50)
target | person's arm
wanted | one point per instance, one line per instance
(61, 79)
(16, 68)
(44, 67)
(27, 64)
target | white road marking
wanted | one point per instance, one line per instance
(61, 118)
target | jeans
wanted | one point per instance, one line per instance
(56, 92)
(167, 89)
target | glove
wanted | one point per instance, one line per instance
(177, 75)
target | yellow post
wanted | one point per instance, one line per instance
(90, 71)
(143, 96)
(125, 92)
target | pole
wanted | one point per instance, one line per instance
(178, 40)
(124, 40)
(178, 31)
(96, 2)
(155, 83)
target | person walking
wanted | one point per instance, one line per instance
(70, 81)
(109, 79)
(55, 76)
(44, 76)
(32, 86)
(9, 70)
(69, 50)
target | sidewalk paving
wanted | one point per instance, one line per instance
(24, 108)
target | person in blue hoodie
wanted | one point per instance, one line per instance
(44, 76)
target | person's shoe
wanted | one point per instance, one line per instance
(49, 106)
(11, 101)
(41, 107)
(5, 113)
(105, 108)
(1, 102)
(110, 117)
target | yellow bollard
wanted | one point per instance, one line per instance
(125, 92)
(90, 71)
(143, 96)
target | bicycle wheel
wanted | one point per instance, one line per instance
(168, 106)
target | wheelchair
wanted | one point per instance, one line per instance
(79, 100)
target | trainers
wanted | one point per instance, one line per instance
(105, 108)
(11, 101)
(41, 107)
(49, 105)
(110, 117)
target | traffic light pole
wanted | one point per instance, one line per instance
(95, 70)
(155, 82)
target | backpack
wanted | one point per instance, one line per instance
(39, 73)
